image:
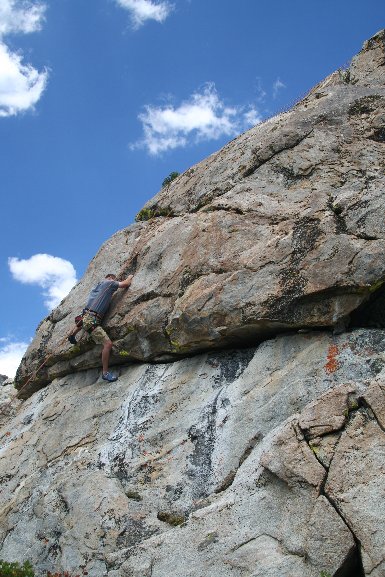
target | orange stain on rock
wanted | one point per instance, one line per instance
(332, 363)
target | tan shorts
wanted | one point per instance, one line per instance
(98, 335)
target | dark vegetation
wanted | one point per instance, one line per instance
(15, 569)
(172, 176)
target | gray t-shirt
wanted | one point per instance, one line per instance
(100, 297)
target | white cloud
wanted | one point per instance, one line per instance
(21, 86)
(11, 354)
(55, 275)
(277, 86)
(142, 10)
(202, 117)
(17, 16)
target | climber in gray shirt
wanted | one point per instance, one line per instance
(100, 297)
(90, 320)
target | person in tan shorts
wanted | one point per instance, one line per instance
(97, 333)
(91, 318)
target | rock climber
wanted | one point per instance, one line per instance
(91, 318)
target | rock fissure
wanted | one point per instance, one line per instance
(355, 555)
(233, 549)
(222, 208)
(152, 295)
(353, 564)
(365, 236)
(280, 148)
(82, 443)
(230, 477)
(366, 404)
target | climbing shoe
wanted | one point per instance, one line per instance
(72, 339)
(110, 377)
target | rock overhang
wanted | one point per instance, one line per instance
(281, 229)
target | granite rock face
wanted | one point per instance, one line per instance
(266, 461)
(281, 229)
(254, 445)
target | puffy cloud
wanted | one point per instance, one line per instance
(16, 16)
(55, 275)
(142, 10)
(11, 354)
(21, 86)
(202, 117)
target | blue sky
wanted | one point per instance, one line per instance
(101, 99)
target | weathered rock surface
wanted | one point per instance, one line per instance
(213, 465)
(260, 460)
(281, 229)
(8, 400)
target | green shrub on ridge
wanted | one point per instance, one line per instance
(169, 178)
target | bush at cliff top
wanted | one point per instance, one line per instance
(169, 178)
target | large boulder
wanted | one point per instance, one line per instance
(281, 229)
